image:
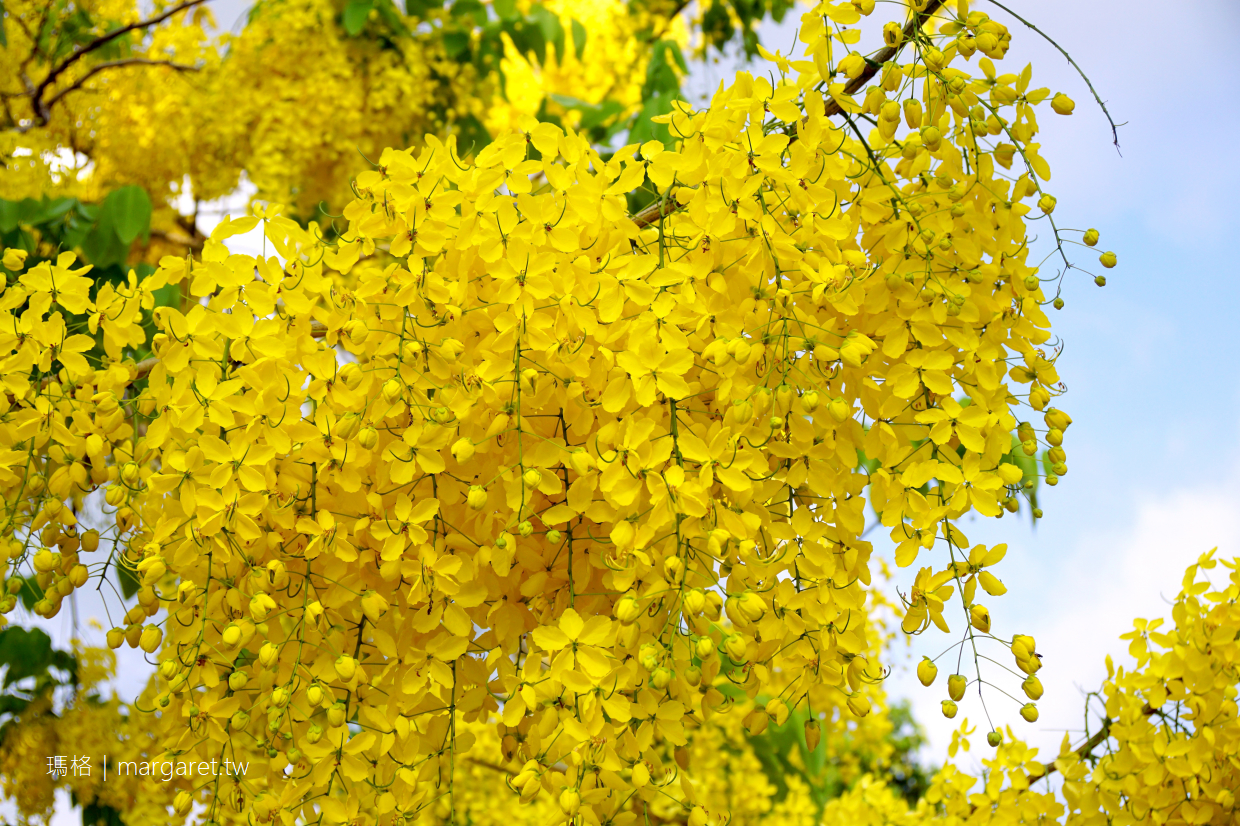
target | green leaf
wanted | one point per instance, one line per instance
(129, 211)
(472, 8)
(506, 9)
(355, 14)
(25, 652)
(8, 215)
(102, 246)
(552, 29)
(419, 8)
(456, 44)
(579, 38)
(644, 129)
(472, 136)
(128, 581)
(99, 814)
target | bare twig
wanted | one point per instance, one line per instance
(1084, 77)
(42, 110)
(101, 67)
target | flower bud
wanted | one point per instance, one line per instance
(1062, 104)
(553, 536)
(949, 709)
(1047, 203)
(628, 610)
(859, 705)
(531, 477)
(813, 734)
(463, 449)
(237, 680)
(14, 259)
(980, 618)
(477, 497)
(735, 646)
(956, 685)
(893, 34)
(931, 137)
(346, 667)
(570, 801)
(809, 401)
(392, 390)
(1108, 260)
(927, 671)
(1030, 712)
(152, 636)
(335, 715)
(1091, 237)
(368, 437)
(231, 636)
(994, 738)
(90, 541)
(268, 653)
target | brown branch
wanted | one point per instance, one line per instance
(46, 108)
(659, 211)
(1084, 751)
(42, 111)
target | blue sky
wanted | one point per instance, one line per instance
(1150, 361)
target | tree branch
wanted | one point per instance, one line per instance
(46, 108)
(42, 111)
(658, 211)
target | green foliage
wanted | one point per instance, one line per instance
(783, 753)
(720, 19)
(26, 654)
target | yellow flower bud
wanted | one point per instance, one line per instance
(392, 390)
(477, 497)
(994, 738)
(182, 802)
(314, 695)
(1032, 687)
(1062, 104)
(1091, 237)
(641, 775)
(570, 801)
(581, 461)
(949, 709)
(1030, 712)
(813, 734)
(927, 671)
(463, 449)
(231, 636)
(335, 715)
(735, 646)
(628, 610)
(346, 667)
(237, 680)
(956, 685)
(661, 677)
(704, 648)
(931, 137)
(859, 705)
(1108, 260)
(115, 637)
(267, 654)
(151, 637)
(531, 477)
(809, 401)
(1047, 203)
(893, 34)
(14, 259)
(980, 618)
(368, 437)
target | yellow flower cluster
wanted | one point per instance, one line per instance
(503, 452)
(291, 99)
(1165, 752)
